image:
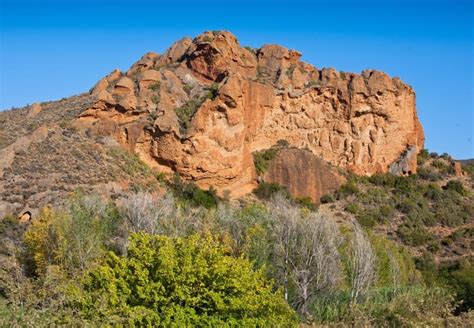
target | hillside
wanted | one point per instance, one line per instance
(239, 175)
(204, 110)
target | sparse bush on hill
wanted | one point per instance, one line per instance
(186, 112)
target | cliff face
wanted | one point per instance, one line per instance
(202, 108)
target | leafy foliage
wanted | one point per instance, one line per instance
(188, 191)
(181, 281)
(186, 112)
(263, 158)
(72, 239)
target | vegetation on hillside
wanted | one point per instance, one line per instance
(190, 258)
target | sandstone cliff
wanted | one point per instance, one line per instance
(203, 107)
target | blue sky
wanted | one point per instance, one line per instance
(54, 49)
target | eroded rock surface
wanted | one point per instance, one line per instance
(205, 105)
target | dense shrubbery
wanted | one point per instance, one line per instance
(420, 202)
(167, 281)
(417, 206)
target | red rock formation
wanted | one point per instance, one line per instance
(458, 172)
(205, 105)
(303, 174)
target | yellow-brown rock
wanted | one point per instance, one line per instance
(207, 104)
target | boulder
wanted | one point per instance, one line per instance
(303, 174)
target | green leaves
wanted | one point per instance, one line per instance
(181, 281)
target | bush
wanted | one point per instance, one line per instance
(327, 198)
(350, 188)
(267, 190)
(212, 91)
(385, 180)
(423, 156)
(305, 202)
(71, 239)
(262, 159)
(456, 186)
(442, 167)
(414, 235)
(180, 282)
(429, 174)
(186, 112)
(188, 191)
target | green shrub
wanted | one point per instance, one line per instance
(71, 240)
(387, 307)
(350, 188)
(423, 156)
(266, 190)
(155, 86)
(442, 166)
(129, 162)
(186, 112)
(327, 198)
(414, 235)
(429, 174)
(366, 219)
(433, 192)
(456, 186)
(263, 158)
(188, 88)
(469, 169)
(155, 99)
(353, 208)
(189, 192)
(457, 276)
(180, 282)
(212, 91)
(385, 180)
(305, 202)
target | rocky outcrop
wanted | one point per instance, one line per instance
(458, 172)
(34, 110)
(205, 105)
(303, 174)
(406, 163)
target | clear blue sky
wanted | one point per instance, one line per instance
(54, 49)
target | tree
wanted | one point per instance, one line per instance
(143, 212)
(71, 238)
(180, 281)
(306, 252)
(361, 264)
